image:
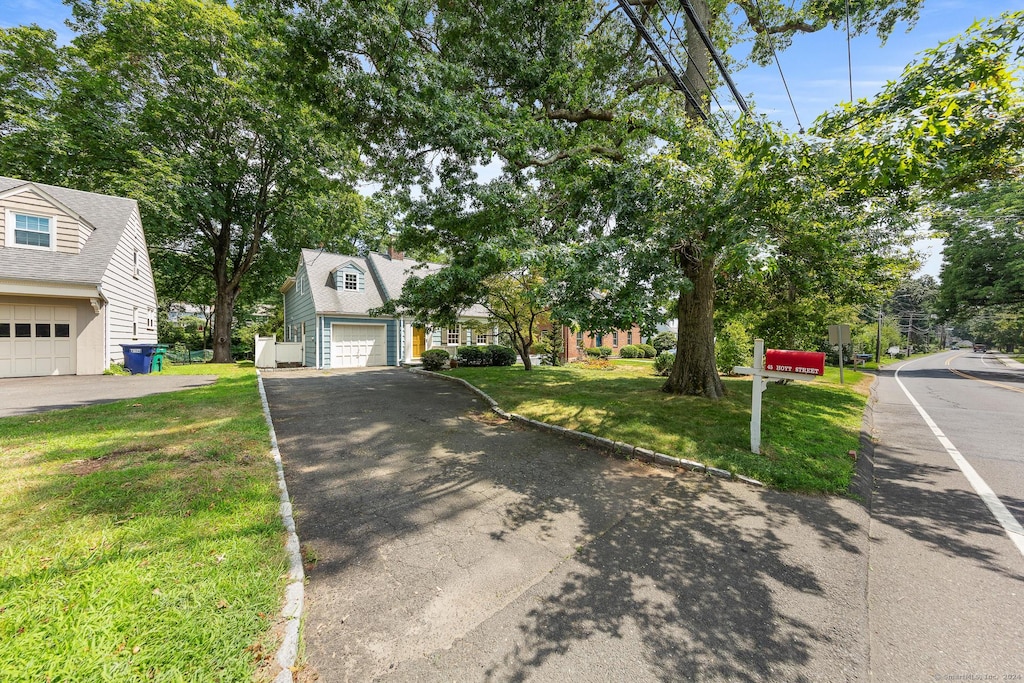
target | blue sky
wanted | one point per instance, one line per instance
(815, 65)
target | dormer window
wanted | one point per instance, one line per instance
(33, 232)
(350, 278)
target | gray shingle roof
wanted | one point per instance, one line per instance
(384, 280)
(320, 266)
(106, 214)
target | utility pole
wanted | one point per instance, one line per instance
(910, 328)
(878, 339)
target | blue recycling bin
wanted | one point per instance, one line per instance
(138, 358)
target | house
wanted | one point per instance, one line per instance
(575, 343)
(327, 308)
(75, 280)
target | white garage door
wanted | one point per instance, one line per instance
(357, 346)
(36, 340)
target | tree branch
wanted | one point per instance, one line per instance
(577, 116)
(599, 150)
(664, 79)
(756, 21)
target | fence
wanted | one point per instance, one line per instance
(271, 353)
(181, 355)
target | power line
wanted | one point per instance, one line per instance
(706, 39)
(645, 34)
(682, 44)
(771, 44)
(849, 52)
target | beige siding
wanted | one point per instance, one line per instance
(71, 233)
(127, 292)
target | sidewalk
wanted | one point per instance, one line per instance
(1007, 361)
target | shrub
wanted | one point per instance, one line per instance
(649, 351)
(731, 347)
(664, 341)
(592, 351)
(630, 351)
(471, 356)
(604, 351)
(435, 359)
(663, 363)
(500, 356)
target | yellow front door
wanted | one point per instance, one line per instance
(419, 340)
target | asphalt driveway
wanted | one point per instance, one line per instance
(445, 544)
(23, 395)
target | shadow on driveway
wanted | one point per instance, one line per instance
(445, 544)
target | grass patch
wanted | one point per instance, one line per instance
(141, 539)
(807, 428)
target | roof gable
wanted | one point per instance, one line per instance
(30, 187)
(106, 217)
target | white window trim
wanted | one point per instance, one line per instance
(135, 264)
(448, 335)
(150, 319)
(135, 323)
(9, 221)
(344, 281)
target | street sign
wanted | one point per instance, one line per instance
(803, 362)
(839, 335)
(762, 373)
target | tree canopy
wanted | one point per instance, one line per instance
(646, 208)
(181, 104)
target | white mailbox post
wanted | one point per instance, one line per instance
(791, 365)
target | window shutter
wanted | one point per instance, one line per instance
(435, 337)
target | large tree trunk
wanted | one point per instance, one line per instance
(223, 313)
(694, 372)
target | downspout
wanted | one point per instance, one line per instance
(106, 330)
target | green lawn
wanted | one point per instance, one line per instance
(141, 539)
(808, 428)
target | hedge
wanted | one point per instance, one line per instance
(435, 359)
(631, 351)
(483, 356)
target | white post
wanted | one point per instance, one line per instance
(755, 397)
(841, 358)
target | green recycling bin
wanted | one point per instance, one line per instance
(158, 357)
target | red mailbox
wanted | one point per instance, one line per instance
(800, 362)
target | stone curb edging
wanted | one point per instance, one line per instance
(295, 591)
(617, 447)
(863, 482)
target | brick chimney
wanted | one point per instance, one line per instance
(395, 255)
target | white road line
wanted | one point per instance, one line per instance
(1009, 523)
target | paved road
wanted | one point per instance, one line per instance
(946, 586)
(450, 546)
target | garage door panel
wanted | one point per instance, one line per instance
(356, 346)
(36, 340)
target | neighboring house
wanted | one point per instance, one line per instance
(179, 312)
(75, 280)
(574, 344)
(327, 307)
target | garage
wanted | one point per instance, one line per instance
(358, 346)
(36, 341)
